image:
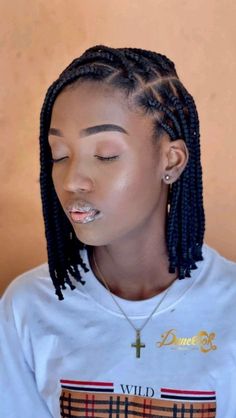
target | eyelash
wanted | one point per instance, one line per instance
(99, 157)
(54, 160)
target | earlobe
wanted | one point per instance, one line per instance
(177, 159)
(167, 179)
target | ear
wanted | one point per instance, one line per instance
(177, 156)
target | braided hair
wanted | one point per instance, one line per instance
(152, 81)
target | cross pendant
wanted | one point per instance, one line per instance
(138, 344)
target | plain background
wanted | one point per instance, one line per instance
(39, 38)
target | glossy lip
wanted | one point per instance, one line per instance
(83, 207)
(78, 207)
(87, 219)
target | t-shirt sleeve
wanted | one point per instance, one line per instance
(19, 396)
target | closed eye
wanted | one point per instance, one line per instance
(56, 160)
(113, 157)
(99, 157)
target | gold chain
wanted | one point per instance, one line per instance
(138, 343)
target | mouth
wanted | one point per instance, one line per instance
(83, 217)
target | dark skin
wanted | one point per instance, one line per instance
(130, 191)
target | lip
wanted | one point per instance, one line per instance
(85, 216)
(80, 206)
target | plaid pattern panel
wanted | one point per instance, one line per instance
(110, 405)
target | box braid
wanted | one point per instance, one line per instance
(151, 79)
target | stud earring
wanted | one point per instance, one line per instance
(167, 177)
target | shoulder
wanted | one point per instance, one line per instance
(218, 264)
(33, 287)
(218, 274)
(27, 287)
(31, 280)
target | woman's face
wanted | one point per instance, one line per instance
(107, 163)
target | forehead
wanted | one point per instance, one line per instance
(92, 103)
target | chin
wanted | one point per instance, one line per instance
(90, 238)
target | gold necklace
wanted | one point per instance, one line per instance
(138, 344)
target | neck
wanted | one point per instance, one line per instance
(134, 269)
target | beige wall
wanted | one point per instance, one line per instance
(39, 37)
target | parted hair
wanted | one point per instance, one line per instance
(152, 81)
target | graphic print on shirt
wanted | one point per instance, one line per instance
(98, 400)
(203, 341)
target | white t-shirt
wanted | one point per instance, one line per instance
(74, 358)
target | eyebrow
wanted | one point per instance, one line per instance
(107, 127)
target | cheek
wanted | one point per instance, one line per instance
(133, 188)
(57, 182)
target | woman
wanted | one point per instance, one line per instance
(147, 330)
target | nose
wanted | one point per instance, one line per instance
(77, 178)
